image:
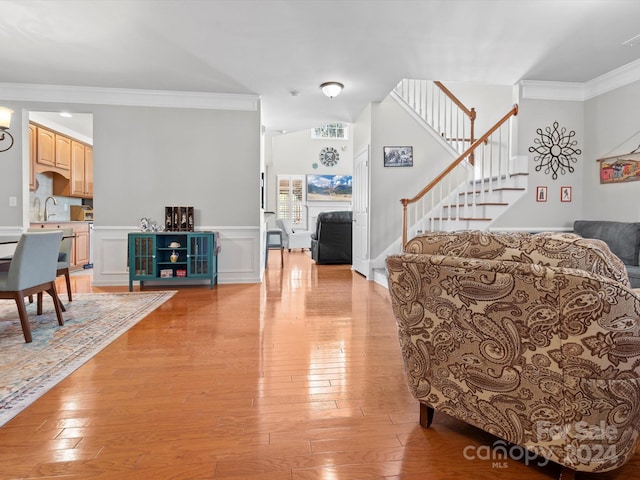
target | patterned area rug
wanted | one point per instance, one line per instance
(92, 321)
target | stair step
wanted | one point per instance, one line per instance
(479, 204)
(495, 178)
(464, 219)
(380, 277)
(501, 189)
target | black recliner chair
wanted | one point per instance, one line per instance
(331, 241)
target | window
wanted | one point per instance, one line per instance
(291, 199)
(333, 130)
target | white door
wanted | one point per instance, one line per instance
(360, 249)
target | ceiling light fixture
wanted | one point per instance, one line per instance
(5, 123)
(331, 89)
(66, 114)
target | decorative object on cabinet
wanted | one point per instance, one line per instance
(555, 150)
(541, 194)
(620, 168)
(143, 223)
(398, 156)
(329, 156)
(335, 188)
(151, 256)
(5, 123)
(179, 219)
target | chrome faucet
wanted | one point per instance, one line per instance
(46, 212)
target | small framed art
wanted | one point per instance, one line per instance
(565, 194)
(541, 194)
(398, 156)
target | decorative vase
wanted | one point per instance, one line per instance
(173, 257)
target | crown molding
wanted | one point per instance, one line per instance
(127, 97)
(539, 90)
(579, 92)
(617, 78)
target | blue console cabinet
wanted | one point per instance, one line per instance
(173, 257)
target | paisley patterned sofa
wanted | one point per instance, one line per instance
(532, 338)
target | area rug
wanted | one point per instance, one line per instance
(92, 321)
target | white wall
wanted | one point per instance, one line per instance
(612, 127)
(392, 126)
(527, 213)
(148, 157)
(299, 154)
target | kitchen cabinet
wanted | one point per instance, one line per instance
(81, 245)
(63, 152)
(80, 248)
(46, 147)
(80, 182)
(88, 171)
(173, 257)
(53, 152)
(33, 150)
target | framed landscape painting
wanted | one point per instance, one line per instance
(332, 188)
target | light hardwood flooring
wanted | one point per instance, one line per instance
(298, 378)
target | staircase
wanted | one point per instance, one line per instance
(478, 186)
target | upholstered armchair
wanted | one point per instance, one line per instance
(532, 338)
(297, 238)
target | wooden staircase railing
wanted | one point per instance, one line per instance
(441, 109)
(463, 186)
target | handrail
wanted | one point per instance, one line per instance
(471, 113)
(407, 201)
(440, 109)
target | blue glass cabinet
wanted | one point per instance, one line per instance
(173, 257)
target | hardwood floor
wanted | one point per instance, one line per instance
(296, 378)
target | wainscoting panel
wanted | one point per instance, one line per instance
(238, 261)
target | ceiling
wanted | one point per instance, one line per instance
(274, 47)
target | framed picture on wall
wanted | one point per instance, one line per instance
(398, 156)
(541, 194)
(565, 194)
(332, 188)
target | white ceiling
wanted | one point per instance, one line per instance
(272, 47)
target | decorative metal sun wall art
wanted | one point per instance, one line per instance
(555, 150)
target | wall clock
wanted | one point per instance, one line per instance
(329, 156)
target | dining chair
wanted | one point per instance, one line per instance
(64, 257)
(33, 271)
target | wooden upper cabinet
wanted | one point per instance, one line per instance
(46, 154)
(72, 160)
(77, 169)
(88, 171)
(33, 151)
(63, 152)
(53, 151)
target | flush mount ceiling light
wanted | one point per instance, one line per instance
(5, 123)
(331, 89)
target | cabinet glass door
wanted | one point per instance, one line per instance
(200, 248)
(143, 255)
